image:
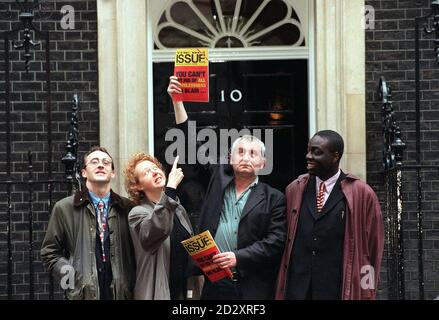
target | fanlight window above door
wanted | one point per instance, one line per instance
(229, 24)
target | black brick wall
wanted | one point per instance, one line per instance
(390, 53)
(73, 69)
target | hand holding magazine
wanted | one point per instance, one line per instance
(202, 248)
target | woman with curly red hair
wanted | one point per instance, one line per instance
(157, 224)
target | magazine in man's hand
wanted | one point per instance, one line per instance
(202, 248)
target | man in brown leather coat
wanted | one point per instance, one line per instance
(335, 233)
(87, 246)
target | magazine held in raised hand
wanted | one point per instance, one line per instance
(191, 67)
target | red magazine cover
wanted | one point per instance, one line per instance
(202, 248)
(191, 67)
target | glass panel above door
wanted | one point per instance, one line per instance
(231, 24)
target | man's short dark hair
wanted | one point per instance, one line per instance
(93, 149)
(335, 140)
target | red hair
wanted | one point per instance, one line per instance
(131, 179)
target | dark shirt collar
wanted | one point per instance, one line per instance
(82, 198)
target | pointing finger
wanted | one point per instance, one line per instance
(174, 166)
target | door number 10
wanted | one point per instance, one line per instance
(235, 95)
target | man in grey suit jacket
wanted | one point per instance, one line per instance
(245, 216)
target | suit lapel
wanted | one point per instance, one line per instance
(214, 212)
(335, 196)
(256, 196)
(226, 177)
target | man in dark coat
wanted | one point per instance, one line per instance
(335, 233)
(246, 218)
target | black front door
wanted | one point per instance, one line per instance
(266, 95)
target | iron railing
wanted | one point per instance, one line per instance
(26, 28)
(394, 169)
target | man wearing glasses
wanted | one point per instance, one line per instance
(87, 246)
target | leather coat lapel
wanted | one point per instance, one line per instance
(310, 196)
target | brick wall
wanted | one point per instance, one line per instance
(390, 53)
(73, 69)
